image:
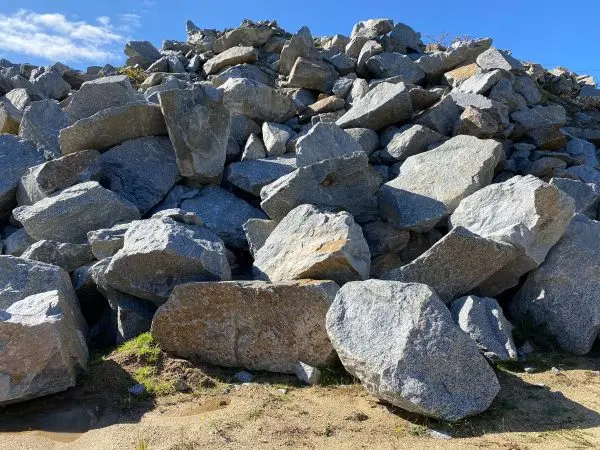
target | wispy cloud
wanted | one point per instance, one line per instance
(56, 38)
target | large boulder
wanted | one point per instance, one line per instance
(16, 156)
(408, 141)
(324, 141)
(199, 129)
(561, 296)
(257, 101)
(523, 211)
(347, 183)
(432, 184)
(41, 124)
(253, 35)
(312, 74)
(456, 264)
(230, 57)
(142, 53)
(43, 180)
(96, 95)
(64, 255)
(483, 320)
(142, 171)
(400, 340)
(300, 45)
(391, 65)
(70, 214)
(160, 253)
(314, 243)
(43, 350)
(383, 105)
(112, 126)
(223, 213)
(250, 324)
(460, 53)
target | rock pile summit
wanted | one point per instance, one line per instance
(280, 202)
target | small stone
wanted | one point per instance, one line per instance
(275, 137)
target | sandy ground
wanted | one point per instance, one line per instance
(547, 409)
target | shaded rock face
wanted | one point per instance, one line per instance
(560, 296)
(159, 254)
(401, 342)
(313, 243)
(249, 324)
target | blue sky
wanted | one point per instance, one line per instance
(85, 32)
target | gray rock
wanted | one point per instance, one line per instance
(312, 74)
(380, 26)
(406, 37)
(159, 254)
(409, 141)
(250, 324)
(499, 59)
(113, 126)
(525, 86)
(385, 244)
(252, 175)
(346, 183)
(481, 82)
(107, 241)
(539, 117)
(257, 231)
(388, 65)
(66, 256)
(477, 122)
(276, 136)
(584, 173)
(230, 57)
(432, 184)
(300, 45)
(199, 129)
(17, 242)
(360, 88)
(560, 297)
(441, 117)
(223, 213)
(482, 319)
(586, 195)
(415, 357)
(254, 149)
(424, 98)
(10, 118)
(385, 104)
(69, 215)
(41, 124)
(141, 50)
(583, 152)
(342, 63)
(257, 101)
(43, 180)
(460, 54)
(324, 141)
(141, 171)
(307, 374)
(240, 131)
(456, 264)
(504, 93)
(19, 98)
(17, 156)
(51, 84)
(249, 71)
(96, 95)
(253, 36)
(523, 211)
(315, 244)
(43, 349)
(134, 317)
(465, 99)
(367, 138)
(357, 42)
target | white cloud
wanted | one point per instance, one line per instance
(56, 38)
(129, 21)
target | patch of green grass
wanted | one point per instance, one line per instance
(144, 347)
(146, 376)
(418, 431)
(336, 375)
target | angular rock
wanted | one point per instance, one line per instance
(586, 195)
(17, 242)
(481, 82)
(199, 129)
(523, 211)
(482, 319)
(458, 76)
(43, 349)
(388, 65)
(367, 138)
(10, 118)
(477, 122)
(69, 215)
(223, 213)
(51, 83)
(16, 156)
(385, 104)
(43, 180)
(405, 36)
(113, 126)
(276, 136)
(300, 45)
(307, 374)
(346, 183)
(252, 175)
(230, 57)
(66, 256)
(400, 340)
(19, 98)
(142, 53)
(315, 244)
(441, 117)
(456, 264)
(142, 171)
(256, 100)
(253, 36)
(159, 254)
(561, 296)
(461, 53)
(465, 99)
(249, 324)
(409, 141)
(41, 124)
(432, 184)
(254, 149)
(499, 59)
(324, 141)
(257, 231)
(96, 95)
(312, 74)
(107, 241)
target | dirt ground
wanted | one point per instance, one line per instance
(556, 407)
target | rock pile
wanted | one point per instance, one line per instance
(272, 201)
